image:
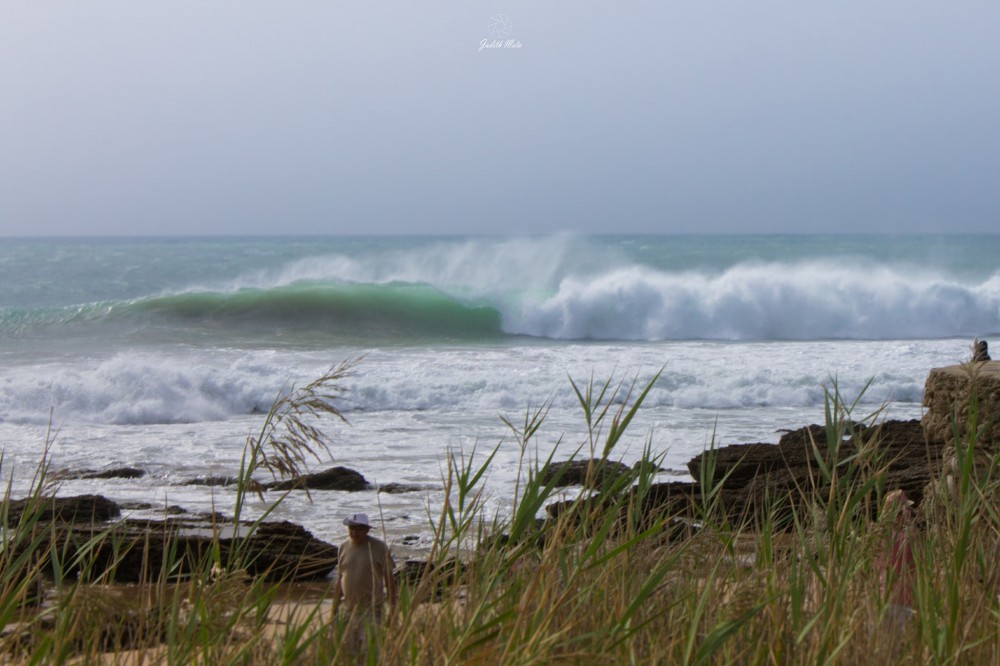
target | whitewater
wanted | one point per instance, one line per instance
(161, 353)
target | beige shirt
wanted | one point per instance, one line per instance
(362, 571)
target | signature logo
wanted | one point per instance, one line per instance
(499, 26)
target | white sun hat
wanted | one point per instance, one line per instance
(357, 519)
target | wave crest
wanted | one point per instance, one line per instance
(807, 301)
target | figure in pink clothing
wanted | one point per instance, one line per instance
(896, 566)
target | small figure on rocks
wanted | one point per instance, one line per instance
(364, 581)
(980, 351)
(896, 566)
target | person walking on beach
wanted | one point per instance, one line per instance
(895, 562)
(364, 580)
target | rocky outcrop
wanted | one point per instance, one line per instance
(211, 481)
(960, 399)
(335, 478)
(132, 550)
(756, 478)
(947, 394)
(277, 551)
(401, 488)
(79, 509)
(165, 509)
(896, 450)
(592, 473)
(752, 483)
(85, 474)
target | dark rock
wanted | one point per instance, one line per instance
(253, 486)
(751, 484)
(137, 550)
(647, 467)
(114, 473)
(754, 479)
(214, 517)
(335, 478)
(399, 488)
(430, 579)
(171, 510)
(575, 472)
(214, 481)
(78, 509)
(673, 499)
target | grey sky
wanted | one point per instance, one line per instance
(260, 116)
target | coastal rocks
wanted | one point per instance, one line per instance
(132, 550)
(400, 488)
(211, 481)
(751, 484)
(165, 509)
(275, 551)
(900, 446)
(675, 500)
(429, 579)
(946, 397)
(114, 473)
(335, 478)
(81, 508)
(253, 485)
(592, 473)
(756, 479)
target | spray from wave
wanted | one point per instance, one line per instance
(802, 301)
(568, 289)
(561, 288)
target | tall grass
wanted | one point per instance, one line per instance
(610, 580)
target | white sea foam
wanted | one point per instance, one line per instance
(138, 388)
(196, 386)
(803, 301)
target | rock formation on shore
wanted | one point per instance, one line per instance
(960, 399)
(947, 394)
(131, 550)
(753, 483)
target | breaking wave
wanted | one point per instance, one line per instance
(560, 288)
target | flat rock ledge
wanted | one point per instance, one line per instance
(132, 550)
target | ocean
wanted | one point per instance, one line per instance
(160, 353)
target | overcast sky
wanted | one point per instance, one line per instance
(332, 117)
